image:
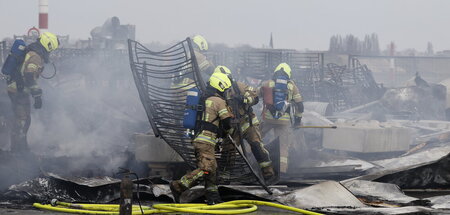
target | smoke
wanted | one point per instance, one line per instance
(90, 110)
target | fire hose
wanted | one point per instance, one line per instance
(231, 207)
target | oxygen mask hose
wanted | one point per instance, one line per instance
(51, 76)
(231, 207)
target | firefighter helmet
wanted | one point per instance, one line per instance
(222, 69)
(285, 68)
(200, 41)
(49, 41)
(220, 81)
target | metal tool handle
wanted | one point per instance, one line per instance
(260, 181)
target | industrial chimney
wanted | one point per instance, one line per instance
(43, 15)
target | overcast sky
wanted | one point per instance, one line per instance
(297, 24)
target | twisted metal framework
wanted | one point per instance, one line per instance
(341, 86)
(345, 87)
(260, 63)
(156, 75)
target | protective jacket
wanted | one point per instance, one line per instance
(30, 70)
(204, 64)
(216, 109)
(294, 98)
(249, 98)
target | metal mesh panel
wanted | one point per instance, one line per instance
(155, 74)
(260, 63)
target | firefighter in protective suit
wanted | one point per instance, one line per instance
(25, 84)
(280, 121)
(206, 67)
(246, 96)
(216, 121)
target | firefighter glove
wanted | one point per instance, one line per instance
(37, 102)
(240, 99)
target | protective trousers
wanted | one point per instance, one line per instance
(206, 168)
(21, 123)
(253, 138)
(284, 133)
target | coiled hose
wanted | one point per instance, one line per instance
(231, 207)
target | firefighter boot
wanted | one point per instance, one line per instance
(268, 174)
(177, 189)
(213, 197)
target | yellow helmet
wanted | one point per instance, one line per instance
(49, 41)
(285, 68)
(222, 69)
(220, 81)
(201, 42)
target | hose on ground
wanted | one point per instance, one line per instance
(231, 207)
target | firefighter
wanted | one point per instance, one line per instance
(216, 121)
(246, 97)
(206, 67)
(25, 84)
(280, 96)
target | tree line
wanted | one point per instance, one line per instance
(351, 44)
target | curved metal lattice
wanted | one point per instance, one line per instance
(155, 74)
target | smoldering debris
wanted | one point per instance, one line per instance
(44, 189)
(102, 189)
(16, 168)
(416, 100)
(424, 175)
(106, 190)
(413, 102)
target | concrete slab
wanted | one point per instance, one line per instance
(367, 137)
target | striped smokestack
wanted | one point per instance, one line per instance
(43, 15)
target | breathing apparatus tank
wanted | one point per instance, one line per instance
(280, 93)
(193, 96)
(15, 58)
